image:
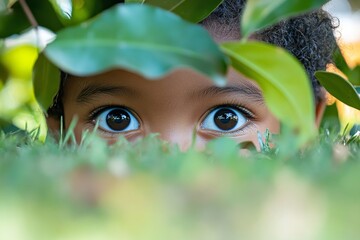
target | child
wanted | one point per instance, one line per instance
(185, 101)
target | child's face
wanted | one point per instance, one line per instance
(178, 106)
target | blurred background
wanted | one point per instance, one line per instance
(348, 35)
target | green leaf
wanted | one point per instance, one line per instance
(286, 88)
(339, 88)
(259, 14)
(4, 73)
(354, 75)
(355, 4)
(139, 38)
(14, 20)
(191, 10)
(46, 81)
(3, 5)
(7, 127)
(357, 90)
(84, 10)
(330, 119)
(340, 62)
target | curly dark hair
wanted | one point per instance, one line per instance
(309, 37)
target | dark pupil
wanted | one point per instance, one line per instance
(225, 119)
(118, 119)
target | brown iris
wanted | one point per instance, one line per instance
(225, 119)
(118, 119)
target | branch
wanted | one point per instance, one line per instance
(28, 13)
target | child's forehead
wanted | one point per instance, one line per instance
(183, 82)
(177, 78)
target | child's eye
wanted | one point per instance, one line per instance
(117, 119)
(224, 119)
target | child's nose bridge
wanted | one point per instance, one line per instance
(181, 138)
(175, 132)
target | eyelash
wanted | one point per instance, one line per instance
(97, 111)
(234, 104)
(231, 103)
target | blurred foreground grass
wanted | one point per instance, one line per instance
(151, 190)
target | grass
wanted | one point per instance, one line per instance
(151, 190)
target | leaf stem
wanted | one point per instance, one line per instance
(28, 13)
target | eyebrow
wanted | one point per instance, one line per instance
(91, 91)
(244, 90)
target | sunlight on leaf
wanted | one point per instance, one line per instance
(138, 38)
(20, 60)
(284, 83)
(339, 88)
(259, 14)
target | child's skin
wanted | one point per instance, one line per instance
(185, 103)
(174, 106)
